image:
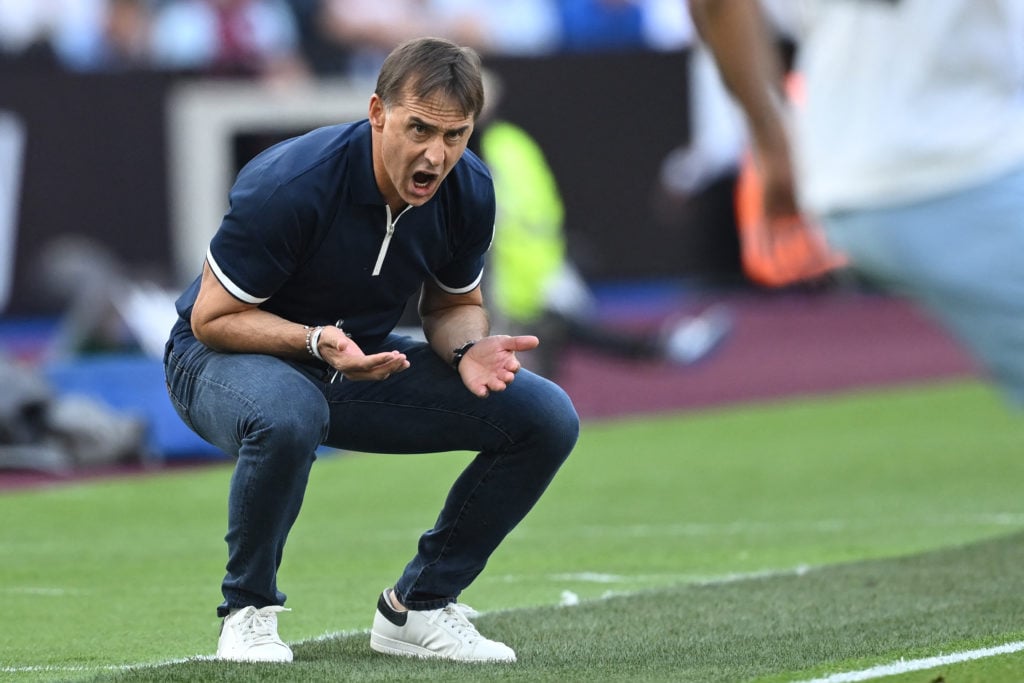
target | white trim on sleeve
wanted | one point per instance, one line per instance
(226, 282)
(461, 290)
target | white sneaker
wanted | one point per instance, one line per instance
(250, 635)
(444, 633)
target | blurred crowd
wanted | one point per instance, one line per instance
(312, 38)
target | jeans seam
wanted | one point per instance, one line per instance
(470, 499)
(254, 411)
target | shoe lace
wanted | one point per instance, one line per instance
(260, 626)
(456, 616)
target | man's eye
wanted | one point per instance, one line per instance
(455, 135)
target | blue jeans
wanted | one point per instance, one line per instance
(273, 414)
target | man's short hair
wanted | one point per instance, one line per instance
(424, 67)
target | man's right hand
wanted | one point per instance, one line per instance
(345, 356)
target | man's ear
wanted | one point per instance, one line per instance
(377, 113)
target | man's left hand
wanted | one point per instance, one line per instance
(491, 363)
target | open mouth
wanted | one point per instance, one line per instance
(422, 180)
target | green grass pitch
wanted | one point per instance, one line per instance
(782, 541)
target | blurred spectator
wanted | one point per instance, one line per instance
(27, 29)
(127, 33)
(533, 283)
(76, 34)
(667, 25)
(81, 35)
(324, 55)
(115, 36)
(285, 38)
(595, 25)
(773, 253)
(718, 134)
(369, 31)
(513, 27)
(603, 25)
(228, 37)
(365, 32)
(352, 36)
(908, 149)
(23, 26)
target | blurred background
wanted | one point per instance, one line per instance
(122, 116)
(123, 123)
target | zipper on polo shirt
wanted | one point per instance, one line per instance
(388, 232)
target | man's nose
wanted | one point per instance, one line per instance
(435, 152)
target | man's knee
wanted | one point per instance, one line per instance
(290, 419)
(552, 419)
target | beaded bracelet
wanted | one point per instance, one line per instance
(313, 340)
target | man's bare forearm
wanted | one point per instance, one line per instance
(254, 331)
(449, 328)
(748, 61)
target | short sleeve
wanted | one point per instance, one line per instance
(260, 240)
(474, 233)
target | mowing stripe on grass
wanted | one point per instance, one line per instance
(693, 579)
(906, 666)
(334, 635)
(44, 591)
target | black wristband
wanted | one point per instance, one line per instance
(458, 353)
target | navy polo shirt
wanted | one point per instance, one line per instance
(309, 237)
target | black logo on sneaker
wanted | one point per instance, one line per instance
(395, 617)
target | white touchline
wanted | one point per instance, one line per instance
(879, 671)
(906, 666)
(142, 666)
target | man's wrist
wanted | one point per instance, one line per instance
(460, 352)
(313, 340)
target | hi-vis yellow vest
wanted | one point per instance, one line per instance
(529, 244)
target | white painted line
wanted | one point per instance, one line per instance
(153, 665)
(906, 666)
(104, 667)
(875, 672)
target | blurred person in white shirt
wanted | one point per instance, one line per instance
(908, 149)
